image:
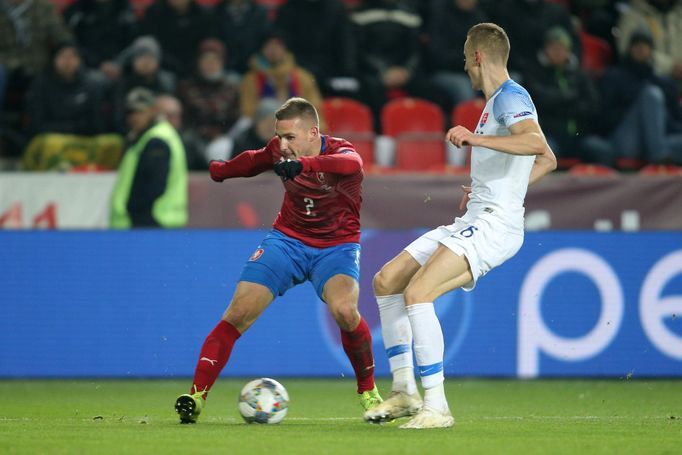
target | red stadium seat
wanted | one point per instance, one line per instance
(417, 126)
(567, 162)
(592, 169)
(420, 152)
(468, 113)
(351, 120)
(660, 169)
(347, 115)
(630, 164)
(597, 54)
(411, 115)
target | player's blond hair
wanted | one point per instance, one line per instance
(491, 39)
(298, 108)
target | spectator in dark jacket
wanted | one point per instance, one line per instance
(28, 28)
(568, 101)
(449, 21)
(141, 68)
(210, 98)
(526, 22)
(641, 110)
(242, 25)
(326, 48)
(179, 25)
(66, 98)
(387, 38)
(261, 130)
(102, 28)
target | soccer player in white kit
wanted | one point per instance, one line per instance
(509, 153)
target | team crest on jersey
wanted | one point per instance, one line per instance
(257, 254)
(323, 182)
(484, 119)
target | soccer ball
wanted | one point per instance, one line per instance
(263, 401)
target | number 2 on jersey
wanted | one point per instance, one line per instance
(309, 204)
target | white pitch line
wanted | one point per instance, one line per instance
(359, 419)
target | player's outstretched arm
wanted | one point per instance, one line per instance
(246, 164)
(345, 163)
(526, 139)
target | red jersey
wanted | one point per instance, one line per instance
(321, 206)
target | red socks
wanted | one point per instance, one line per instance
(218, 345)
(358, 347)
(214, 355)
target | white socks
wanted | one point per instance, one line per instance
(429, 349)
(398, 326)
(397, 335)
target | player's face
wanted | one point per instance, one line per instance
(296, 137)
(470, 66)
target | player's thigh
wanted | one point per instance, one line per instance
(248, 302)
(443, 272)
(329, 262)
(395, 274)
(341, 289)
(279, 263)
(485, 244)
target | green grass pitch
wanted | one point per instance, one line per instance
(492, 416)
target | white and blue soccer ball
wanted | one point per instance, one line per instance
(263, 400)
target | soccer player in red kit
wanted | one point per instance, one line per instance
(315, 238)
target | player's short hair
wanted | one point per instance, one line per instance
(491, 39)
(298, 108)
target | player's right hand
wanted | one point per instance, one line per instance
(465, 199)
(215, 168)
(460, 136)
(288, 169)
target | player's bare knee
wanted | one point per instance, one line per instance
(346, 315)
(382, 283)
(414, 294)
(239, 316)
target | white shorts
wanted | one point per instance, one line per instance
(483, 240)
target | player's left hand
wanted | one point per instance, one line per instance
(215, 169)
(460, 136)
(465, 198)
(288, 169)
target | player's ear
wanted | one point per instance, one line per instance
(477, 58)
(313, 132)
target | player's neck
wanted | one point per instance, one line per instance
(492, 80)
(315, 148)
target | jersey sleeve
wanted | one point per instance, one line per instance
(247, 163)
(344, 162)
(512, 106)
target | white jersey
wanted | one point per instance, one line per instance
(500, 180)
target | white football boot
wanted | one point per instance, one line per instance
(398, 404)
(430, 418)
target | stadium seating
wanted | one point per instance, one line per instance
(351, 120)
(467, 113)
(417, 126)
(597, 54)
(583, 169)
(660, 169)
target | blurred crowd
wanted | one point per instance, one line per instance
(605, 75)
